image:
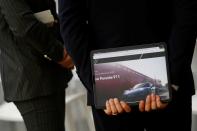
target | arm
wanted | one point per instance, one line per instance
(6, 35)
(182, 41)
(22, 23)
(74, 30)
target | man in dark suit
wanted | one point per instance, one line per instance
(96, 24)
(35, 67)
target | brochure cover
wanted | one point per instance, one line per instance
(130, 73)
(45, 16)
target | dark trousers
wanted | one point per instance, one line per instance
(44, 113)
(176, 117)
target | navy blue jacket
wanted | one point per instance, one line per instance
(95, 24)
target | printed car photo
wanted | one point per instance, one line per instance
(141, 91)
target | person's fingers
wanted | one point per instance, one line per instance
(70, 66)
(108, 109)
(118, 105)
(160, 105)
(125, 106)
(65, 61)
(65, 54)
(148, 103)
(153, 102)
(68, 62)
(142, 106)
(67, 65)
(158, 102)
(113, 107)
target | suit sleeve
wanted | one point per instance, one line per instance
(74, 30)
(182, 41)
(23, 24)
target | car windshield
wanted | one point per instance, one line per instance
(142, 85)
(138, 85)
(147, 85)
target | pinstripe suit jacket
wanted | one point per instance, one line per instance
(24, 41)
